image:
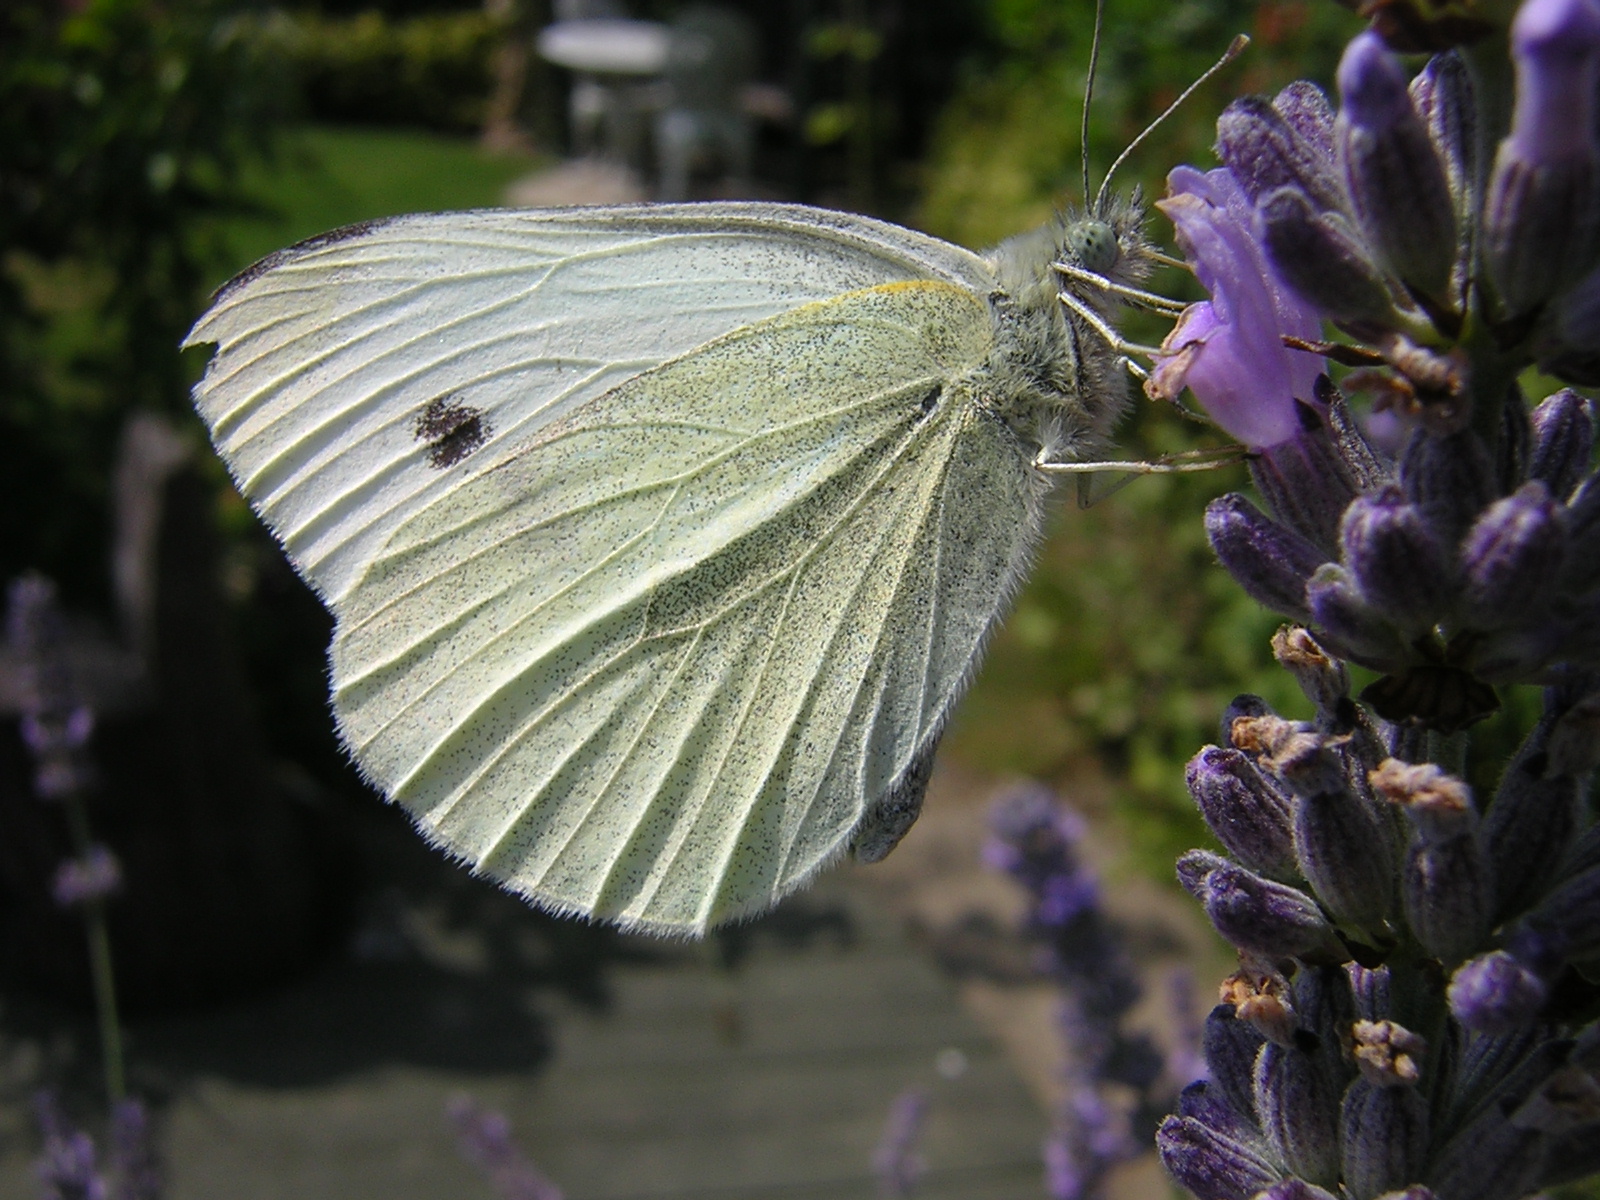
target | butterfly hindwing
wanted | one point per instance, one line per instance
(659, 660)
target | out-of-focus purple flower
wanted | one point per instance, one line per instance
(1541, 216)
(1185, 1064)
(66, 1167)
(133, 1153)
(484, 1138)
(1229, 350)
(93, 877)
(896, 1162)
(1556, 46)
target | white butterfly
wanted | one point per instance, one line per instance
(661, 540)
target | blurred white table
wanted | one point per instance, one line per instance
(606, 47)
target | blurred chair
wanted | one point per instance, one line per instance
(711, 59)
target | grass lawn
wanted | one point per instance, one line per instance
(325, 177)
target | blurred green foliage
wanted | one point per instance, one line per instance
(122, 127)
(322, 177)
(1007, 149)
(430, 70)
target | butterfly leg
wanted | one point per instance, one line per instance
(1144, 299)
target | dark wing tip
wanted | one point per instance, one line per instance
(277, 258)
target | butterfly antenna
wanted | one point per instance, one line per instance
(1235, 48)
(1088, 94)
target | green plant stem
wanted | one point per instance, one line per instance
(101, 974)
(105, 1000)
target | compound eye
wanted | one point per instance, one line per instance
(1094, 246)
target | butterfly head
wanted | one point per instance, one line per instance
(1109, 240)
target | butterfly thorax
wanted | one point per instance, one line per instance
(1051, 376)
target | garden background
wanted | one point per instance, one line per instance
(149, 150)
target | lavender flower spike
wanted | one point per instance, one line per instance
(484, 1138)
(896, 1162)
(1229, 350)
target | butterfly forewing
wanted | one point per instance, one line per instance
(658, 662)
(363, 374)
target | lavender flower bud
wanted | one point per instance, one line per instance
(1495, 994)
(1324, 680)
(1265, 151)
(1573, 748)
(1582, 573)
(1246, 812)
(1350, 626)
(1571, 351)
(1568, 919)
(1392, 171)
(1298, 1105)
(1344, 853)
(1563, 440)
(1446, 888)
(1266, 918)
(1308, 480)
(1296, 752)
(1490, 1159)
(1325, 1009)
(1369, 990)
(1442, 94)
(1231, 1047)
(1396, 559)
(1210, 1164)
(1245, 705)
(1451, 478)
(1386, 1053)
(1264, 1000)
(1528, 827)
(1295, 1189)
(1305, 107)
(1541, 217)
(1384, 1138)
(1270, 562)
(1204, 1102)
(1512, 558)
(1194, 866)
(1322, 257)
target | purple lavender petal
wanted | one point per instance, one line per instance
(1236, 362)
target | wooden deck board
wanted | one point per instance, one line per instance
(769, 1080)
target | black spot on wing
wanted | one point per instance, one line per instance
(451, 430)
